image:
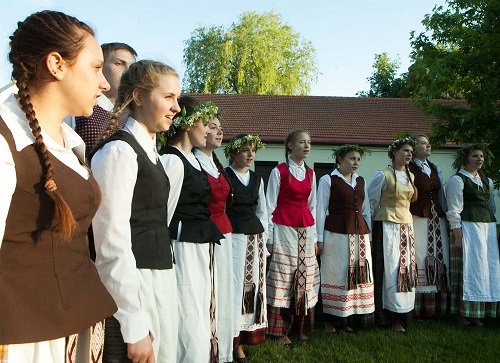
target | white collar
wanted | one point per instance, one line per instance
(291, 162)
(16, 121)
(336, 172)
(202, 157)
(467, 174)
(105, 103)
(143, 137)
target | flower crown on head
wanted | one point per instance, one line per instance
(344, 149)
(237, 144)
(397, 143)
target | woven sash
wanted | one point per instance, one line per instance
(357, 274)
(298, 301)
(249, 304)
(95, 345)
(435, 268)
(407, 277)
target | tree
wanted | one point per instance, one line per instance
(457, 57)
(258, 55)
(383, 81)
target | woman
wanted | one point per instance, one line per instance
(194, 234)
(390, 191)
(475, 268)
(293, 277)
(248, 215)
(431, 240)
(133, 249)
(343, 220)
(51, 291)
(220, 192)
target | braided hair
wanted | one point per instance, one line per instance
(34, 39)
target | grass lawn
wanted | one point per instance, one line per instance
(428, 341)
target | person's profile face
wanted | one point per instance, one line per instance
(115, 64)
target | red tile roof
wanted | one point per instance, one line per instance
(330, 120)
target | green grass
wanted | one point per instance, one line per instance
(427, 341)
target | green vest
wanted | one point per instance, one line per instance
(475, 202)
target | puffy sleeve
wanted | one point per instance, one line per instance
(455, 201)
(375, 188)
(273, 190)
(323, 200)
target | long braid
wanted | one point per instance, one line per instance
(415, 191)
(121, 104)
(221, 170)
(484, 179)
(66, 220)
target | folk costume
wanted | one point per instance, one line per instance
(293, 276)
(194, 238)
(395, 267)
(248, 215)
(53, 303)
(219, 194)
(343, 220)
(475, 269)
(431, 240)
(133, 246)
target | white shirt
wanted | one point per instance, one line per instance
(207, 163)
(273, 190)
(261, 210)
(423, 165)
(455, 197)
(16, 121)
(324, 190)
(115, 169)
(378, 184)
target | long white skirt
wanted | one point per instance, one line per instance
(160, 301)
(337, 300)
(392, 300)
(192, 261)
(421, 243)
(481, 262)
(284, 263)
(225, 297)
(246, 322)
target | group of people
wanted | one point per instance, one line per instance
(180, 243)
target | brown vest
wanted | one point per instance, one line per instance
(345, 209)
(428, 190)
(395, 200)
(50, 287)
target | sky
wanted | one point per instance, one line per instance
(345, 33)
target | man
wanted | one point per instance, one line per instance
(117, 58)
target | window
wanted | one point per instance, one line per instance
(263, 169)
(322, 169)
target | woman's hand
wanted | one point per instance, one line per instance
(319, 248)
(141, 351)
(457, 235)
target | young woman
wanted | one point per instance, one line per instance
(343, 220)
(133, 250)
(50, 288)
(431, 240)
(475, 267)
(390, 191)
(194, 234)
(220, 192)
(293, 276)
(248, 215)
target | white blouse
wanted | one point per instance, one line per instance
(455, 197)
(273, 189)
(324, 190)
(207, 163)
(70, 154)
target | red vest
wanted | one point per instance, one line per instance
(219, 191)
(291, 209)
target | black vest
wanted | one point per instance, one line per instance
(150, 236)
(192, 207)
(241, 211)
(475, 202)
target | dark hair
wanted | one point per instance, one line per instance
(143, 75)
(108, 48)
(343, 150)
(34, 39)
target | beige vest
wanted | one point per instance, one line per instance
(395, 199)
